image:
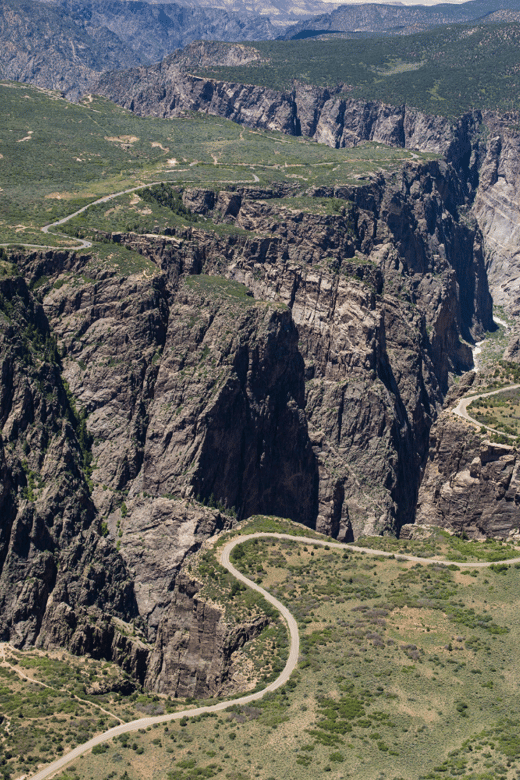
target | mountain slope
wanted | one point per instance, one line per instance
(66, 46)
(280, 12)
(396, 19)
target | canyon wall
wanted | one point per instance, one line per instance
(482, 147)
(293, 367)
(168, 90)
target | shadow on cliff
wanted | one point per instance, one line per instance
(256, 455)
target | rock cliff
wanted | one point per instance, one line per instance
(470, 485)
(293, 367)
(89, 509)
(482, 147)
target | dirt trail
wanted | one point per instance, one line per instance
(292, 626)
(5, 662)
(461, 409)
(82, 243)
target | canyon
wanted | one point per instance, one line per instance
(482, 146)
(292, 369)
(296, 364)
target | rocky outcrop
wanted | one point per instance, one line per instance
(49, 541)
(200, 389)
(470, 485)
(482, 147)
(376, 368)
(292, 368)
(194, 649)
(62, 579)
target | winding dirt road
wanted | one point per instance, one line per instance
(292, 626)
(461, 409)
(82, 243)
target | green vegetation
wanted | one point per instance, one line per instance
(113, 258)
(332, 206)
(496, 371)
(267, 524)
(78, 420)
(444, 71)
(141, 213)
(166, 196)
(224, 289)
(440, 544)
(42, 720)
(406, 671)
(57, 157)
(500, 411)
(6, 268)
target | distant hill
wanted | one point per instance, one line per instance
(280, 12)
(396, 19)
(42, 44)
(67, 45)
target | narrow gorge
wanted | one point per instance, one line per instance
(290, 363)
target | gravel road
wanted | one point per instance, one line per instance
(292, 626)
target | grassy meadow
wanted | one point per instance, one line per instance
(407, 671)
(56, 157)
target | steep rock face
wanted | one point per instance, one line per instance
(188, 390)
(377, 370)
(194, 648)
(470, 485)
(185, 389)
(308, 393)
(483, 148)
(42, 44)
(151, 31)
(233, 427)
(49, 536)
(497, 208)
